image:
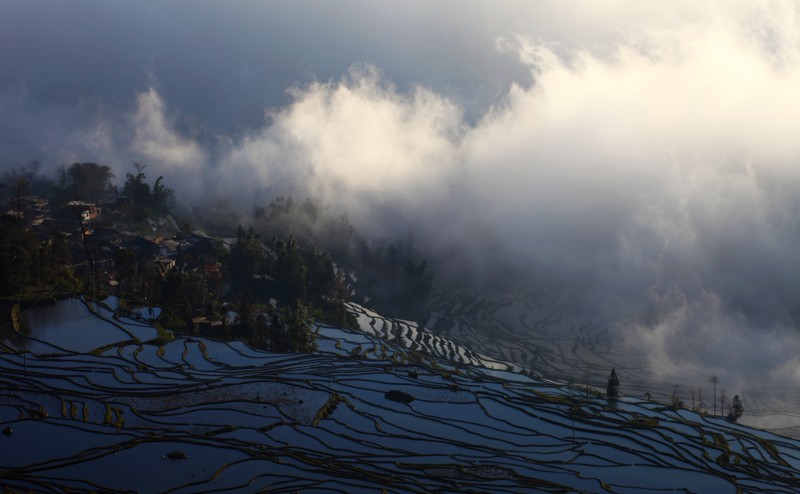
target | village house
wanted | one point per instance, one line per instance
(87, 211)
(27, 210)
(144, 248)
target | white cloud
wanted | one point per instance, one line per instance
(156, 142)
(652, 162)
(355, 142)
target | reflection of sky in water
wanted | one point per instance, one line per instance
(69, 325)
(252, 420)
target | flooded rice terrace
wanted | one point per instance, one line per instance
(95, 401)
(541, 334)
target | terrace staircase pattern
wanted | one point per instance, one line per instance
(199, 415)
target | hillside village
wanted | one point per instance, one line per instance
(103, 227)
(126, 243)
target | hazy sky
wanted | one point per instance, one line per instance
(644, 154)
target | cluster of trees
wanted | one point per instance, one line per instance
(293, 332)
(30, 267)
(35, 265)
(25, 180)
(303, 280)
(734, 414)
(92, 182)
(144, 200)
(179, 292)
(398, 282)
(276, 290)
(48, 262)
(295, 269)
(88, 182)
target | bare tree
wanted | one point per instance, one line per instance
(714, 380)
(697, 399)
(587, 381)
(676, 402)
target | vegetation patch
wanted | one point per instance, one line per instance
(327, 408)
(399, 396)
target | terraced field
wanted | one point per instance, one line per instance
(539, 332)
(372, 410)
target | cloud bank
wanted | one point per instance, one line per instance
(651, 170)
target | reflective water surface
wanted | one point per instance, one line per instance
(91, 405)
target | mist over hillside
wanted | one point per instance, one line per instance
(642, 160)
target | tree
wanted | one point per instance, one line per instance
(737, 410)
(182, 292)
(59, 251)
(324, 282)
(138, 192)
(276, 335)
(17, 260)
(697, 399)
(125, 263)
(290, 269)
(244, 324)
(20, 188)
(259, 336)
(392, 260)
(675, 400)
(714, 380)
(247, 259)
(88, 181)
(93, 277)
(413, 293)
(162, 198)
(612, 391)
(299, 335)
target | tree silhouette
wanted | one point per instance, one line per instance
(125, 263)
(714, 380)
(88, 181)
(612, 391)
(737, 410)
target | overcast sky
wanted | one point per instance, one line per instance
(645, 154)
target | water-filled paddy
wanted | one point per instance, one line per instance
(235, 417)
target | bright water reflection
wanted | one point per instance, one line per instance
(74, 325)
